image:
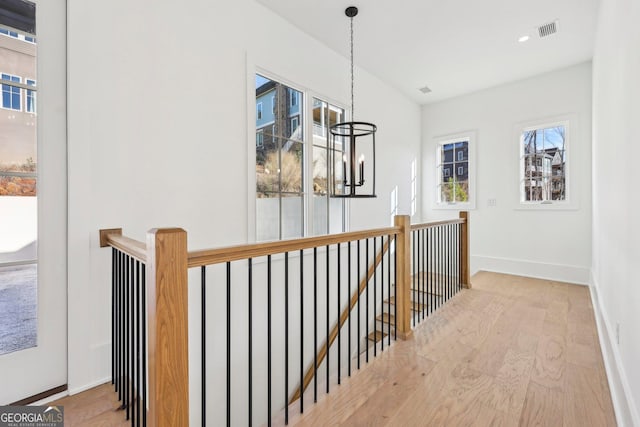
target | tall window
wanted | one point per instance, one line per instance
(279, 163)
(453, 175)
(328, 212)
(11, 95)
(292, 198)
(543, 154)
(18, 194)
(455, 171)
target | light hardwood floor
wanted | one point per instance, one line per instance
(512, 351)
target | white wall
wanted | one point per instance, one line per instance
(616, 199)
(160, 130)
(554, 244)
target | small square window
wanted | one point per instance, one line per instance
(259, 110)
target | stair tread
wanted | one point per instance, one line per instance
(414, 306)
(376, 336)
(386, 318)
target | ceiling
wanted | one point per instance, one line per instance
(452, 46)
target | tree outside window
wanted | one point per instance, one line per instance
(543, 164)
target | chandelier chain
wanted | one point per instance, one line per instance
(353, 114)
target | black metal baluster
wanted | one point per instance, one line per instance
(421, 304)
(315, 325)
(301, 331)
(389, 286)
(366, 316)
(413, 278)
(138, 335)
(425, 287)
(358, 285)
(437, 266)
(113, 313)
(448, 240)
(132, 355)
(429, 266)
(419, 279)
(144, 347)
(327, 316)
(445, 232)
(125, 402)
(382, 291)
(228, 397)
(203, 339)
(116, 334)
(121, 334)
(421, 282)
(339, 325)
(250, 311)
(269, 340)
(395, 279)
(286, 338)
(349, 310)
(375, 277)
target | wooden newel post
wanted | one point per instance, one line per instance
(168, 330)
(465, 270)
(403, 285)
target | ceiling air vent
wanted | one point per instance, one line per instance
(425, 89)
(548, 29)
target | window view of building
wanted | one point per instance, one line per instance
(18, 192)
(292, 199)
(543, 164)
(279, 161)
(453, 167)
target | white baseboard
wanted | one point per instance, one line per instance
(86, 387)
(539, 270)
(623, 405)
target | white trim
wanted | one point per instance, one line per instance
(471, 138)
(623, 405)
(85, 387)
(572, 134)
(540, 270)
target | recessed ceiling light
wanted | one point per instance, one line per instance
(523, 39)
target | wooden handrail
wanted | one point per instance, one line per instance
(236, 253)
(436, 224)
(322, 353)
(113, 237)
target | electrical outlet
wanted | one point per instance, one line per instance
(491, 202)
(618, 333)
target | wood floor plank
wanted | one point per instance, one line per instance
(549, 365)
(543, 406)
(587, 402)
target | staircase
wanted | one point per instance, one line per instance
(424, 300)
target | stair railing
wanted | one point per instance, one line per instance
(150, 312)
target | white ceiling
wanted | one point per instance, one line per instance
(452, 46)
